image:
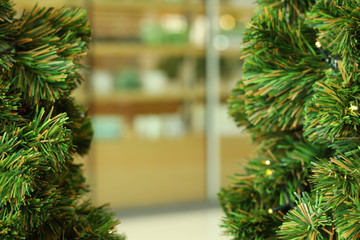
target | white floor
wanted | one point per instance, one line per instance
(201, 223)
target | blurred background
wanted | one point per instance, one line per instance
(159, 73)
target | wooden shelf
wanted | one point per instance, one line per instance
(168, 7)
(119, 49)
(133, 103)
(136, 6)
(169, 95)
(183, 158)
(30, 4)
(131, 109)
(111, 6)
(142, 96)
(149, 172)
(122, 50)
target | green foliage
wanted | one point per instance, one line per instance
(299, 6)
(42, 128)
(80, 124)
(347, 221)
(250, 226)
(92, 223)
(299, 98)
(245, 218)
(338, 23)
(49, 44)
(281, 65)
(6, 31)
(9, 103)
(331, 116)
(338, 179)
(308, 220)
(270, 183)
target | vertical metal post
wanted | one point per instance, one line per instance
(212, 102)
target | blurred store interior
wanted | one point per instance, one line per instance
(159, 74)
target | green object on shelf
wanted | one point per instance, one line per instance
(176, 38)
(151, 33)
(172, 29)
(128, 79)
(107, 127)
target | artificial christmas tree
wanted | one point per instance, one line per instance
(42, 128)
(299, 98)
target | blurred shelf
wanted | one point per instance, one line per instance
(168, 7)
(196, 93)
(149, 172)
(30, 4)
(134, 103)
(138, 102)
(142, 96)
(111, 49)
(120, 49)
(131, 109)
(159, 6)
(109, 6)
